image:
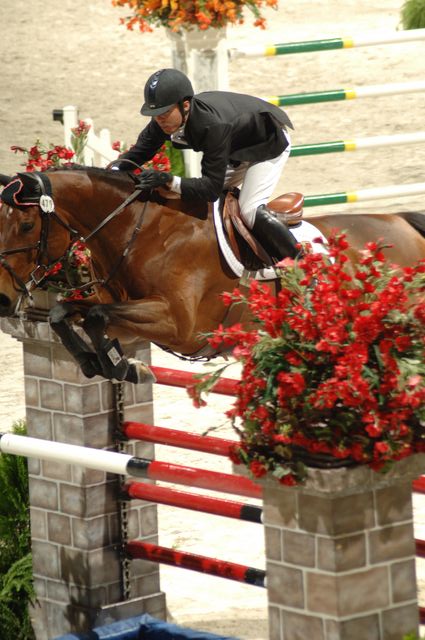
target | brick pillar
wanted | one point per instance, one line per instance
(75, 514)
(341, 555)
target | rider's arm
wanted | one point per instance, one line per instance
(149, 141)
(215, 147)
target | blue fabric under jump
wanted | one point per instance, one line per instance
(142, 627)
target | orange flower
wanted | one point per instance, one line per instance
(181, 14)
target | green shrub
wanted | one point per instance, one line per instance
(413, 14)
(16, 586)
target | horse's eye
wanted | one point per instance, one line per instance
(26, 227)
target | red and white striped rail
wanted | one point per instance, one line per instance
(123, 464)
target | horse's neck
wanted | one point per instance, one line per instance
(84, 202)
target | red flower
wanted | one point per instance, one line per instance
(234, 454)
(373, 430)
(288, 480)
(257, 469)
(291, 383)
(381, 447)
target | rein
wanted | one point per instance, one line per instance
(134, 195)
(113, 214)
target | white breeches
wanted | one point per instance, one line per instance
(257, 181)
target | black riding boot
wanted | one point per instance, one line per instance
(274, 236)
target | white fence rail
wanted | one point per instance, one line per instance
(98, 151)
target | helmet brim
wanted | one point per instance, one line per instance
(146, 110)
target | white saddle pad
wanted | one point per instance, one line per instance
(306, 232)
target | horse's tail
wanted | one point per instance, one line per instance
(416, 219)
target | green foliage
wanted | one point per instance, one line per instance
(15, 593)
(413, 14)
(176, 159)
(16, 588)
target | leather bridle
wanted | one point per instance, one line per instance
(43, 266)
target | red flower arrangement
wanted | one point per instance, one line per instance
(332, 367)
(203, 14)
(40, 158)
(71, 276)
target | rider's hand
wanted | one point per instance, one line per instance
(150, 179)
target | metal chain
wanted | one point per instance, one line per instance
(118, 400)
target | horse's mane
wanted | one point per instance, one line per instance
(108, 175)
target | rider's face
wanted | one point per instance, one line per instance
(172, 119)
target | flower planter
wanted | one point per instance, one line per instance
(321, 460)
(340, 554)
(202, 55)
(204, 39)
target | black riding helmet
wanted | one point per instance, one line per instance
(163, 89)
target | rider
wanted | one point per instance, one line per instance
(244, 142)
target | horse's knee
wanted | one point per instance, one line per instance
(96, 318)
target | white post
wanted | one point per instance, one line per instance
(88, 152)
(70, 120)
(107, 154)
(207, 59)
(203, 56)
(98, 151)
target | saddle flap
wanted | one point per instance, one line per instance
(232, 221)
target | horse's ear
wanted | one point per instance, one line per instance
(4, 180)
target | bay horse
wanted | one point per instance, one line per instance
(160, 273)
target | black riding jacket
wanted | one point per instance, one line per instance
(227, 128)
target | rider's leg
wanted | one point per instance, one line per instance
(258, 183)
(274, 235)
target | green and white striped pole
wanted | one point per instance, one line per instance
(346, 94)
(326, 44)
(357, 143)
(344, 197)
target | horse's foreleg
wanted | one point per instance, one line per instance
(114, 363)
(170, 323)
(72, 342)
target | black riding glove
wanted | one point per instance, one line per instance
(149, 179)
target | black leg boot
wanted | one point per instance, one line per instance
(274, 236)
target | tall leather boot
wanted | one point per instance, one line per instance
(274, 236)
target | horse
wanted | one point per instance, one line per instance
(160, 273)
